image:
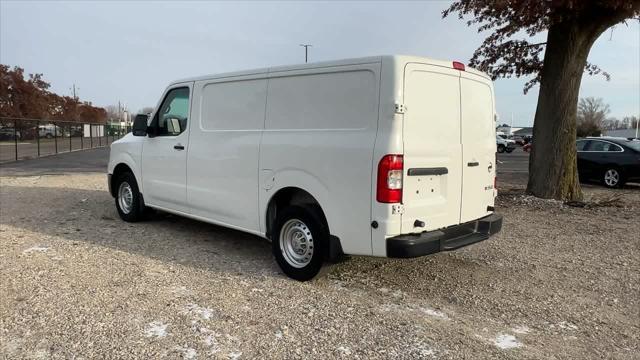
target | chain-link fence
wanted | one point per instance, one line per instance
(31, 138)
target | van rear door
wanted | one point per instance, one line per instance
(432, 181)
(478, 146)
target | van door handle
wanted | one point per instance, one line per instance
(178, 147)
(474, 163)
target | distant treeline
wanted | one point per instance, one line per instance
(30, 98)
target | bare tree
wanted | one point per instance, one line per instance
(113, 113)
(592, 110)
(629, 122)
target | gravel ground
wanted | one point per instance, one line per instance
(76, 282)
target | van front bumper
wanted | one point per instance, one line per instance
(451, 238)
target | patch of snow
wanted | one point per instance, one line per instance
(37, 248)
(231, 337)
(279, 334)
(187, 352)
(338, 284)
(234, 355)
(426, 352)
(435, 313)
(384, 290)
(389, 307)
(156, 329)
(257, 290)
(567, 325)
(344, 350)
(41, 354)
(181, 291)
(505, 341)
(423, 350)
(203, 312)
(212, 343)
(521, 329)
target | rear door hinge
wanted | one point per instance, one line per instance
(401, 108)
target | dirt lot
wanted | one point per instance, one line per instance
(76, 282)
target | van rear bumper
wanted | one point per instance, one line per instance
(451, 238)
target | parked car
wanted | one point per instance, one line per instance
(377, 156)
(9, 133)
(50, 131)
(504, 145)
(613, 161)
(518, 140)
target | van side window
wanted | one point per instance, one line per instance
(335, 100)
(171, 117)
(233, 105)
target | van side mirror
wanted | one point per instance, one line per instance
(140, 125)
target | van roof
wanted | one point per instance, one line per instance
(322, 64)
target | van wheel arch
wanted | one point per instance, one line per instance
(294, 196)
(289, 196)
(117, 172)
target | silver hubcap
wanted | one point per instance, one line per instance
(125, 197)
(296, 243)
(611, 177)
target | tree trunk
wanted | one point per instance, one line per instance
(552, 165)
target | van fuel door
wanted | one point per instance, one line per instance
(267, 178)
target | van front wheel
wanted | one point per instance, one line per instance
(299, 242)
(128, 199)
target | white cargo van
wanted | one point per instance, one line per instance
(382, 156)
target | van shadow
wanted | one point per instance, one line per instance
(89, 216)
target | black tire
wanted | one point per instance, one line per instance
(509, 150)
(501, 148)
(137, 210)
(319, 241)
(48, 136)
(609, 176)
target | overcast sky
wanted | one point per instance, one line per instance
(129, 51)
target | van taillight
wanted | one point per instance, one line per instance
(458, 65)
(390, 170)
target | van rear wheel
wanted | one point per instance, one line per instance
(299, 242)
(501, 148)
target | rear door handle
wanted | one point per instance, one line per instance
(474, 163)
(178, 147)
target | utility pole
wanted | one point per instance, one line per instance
(75, 101)
(75, 97)
(511, 127)
(306, 51)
